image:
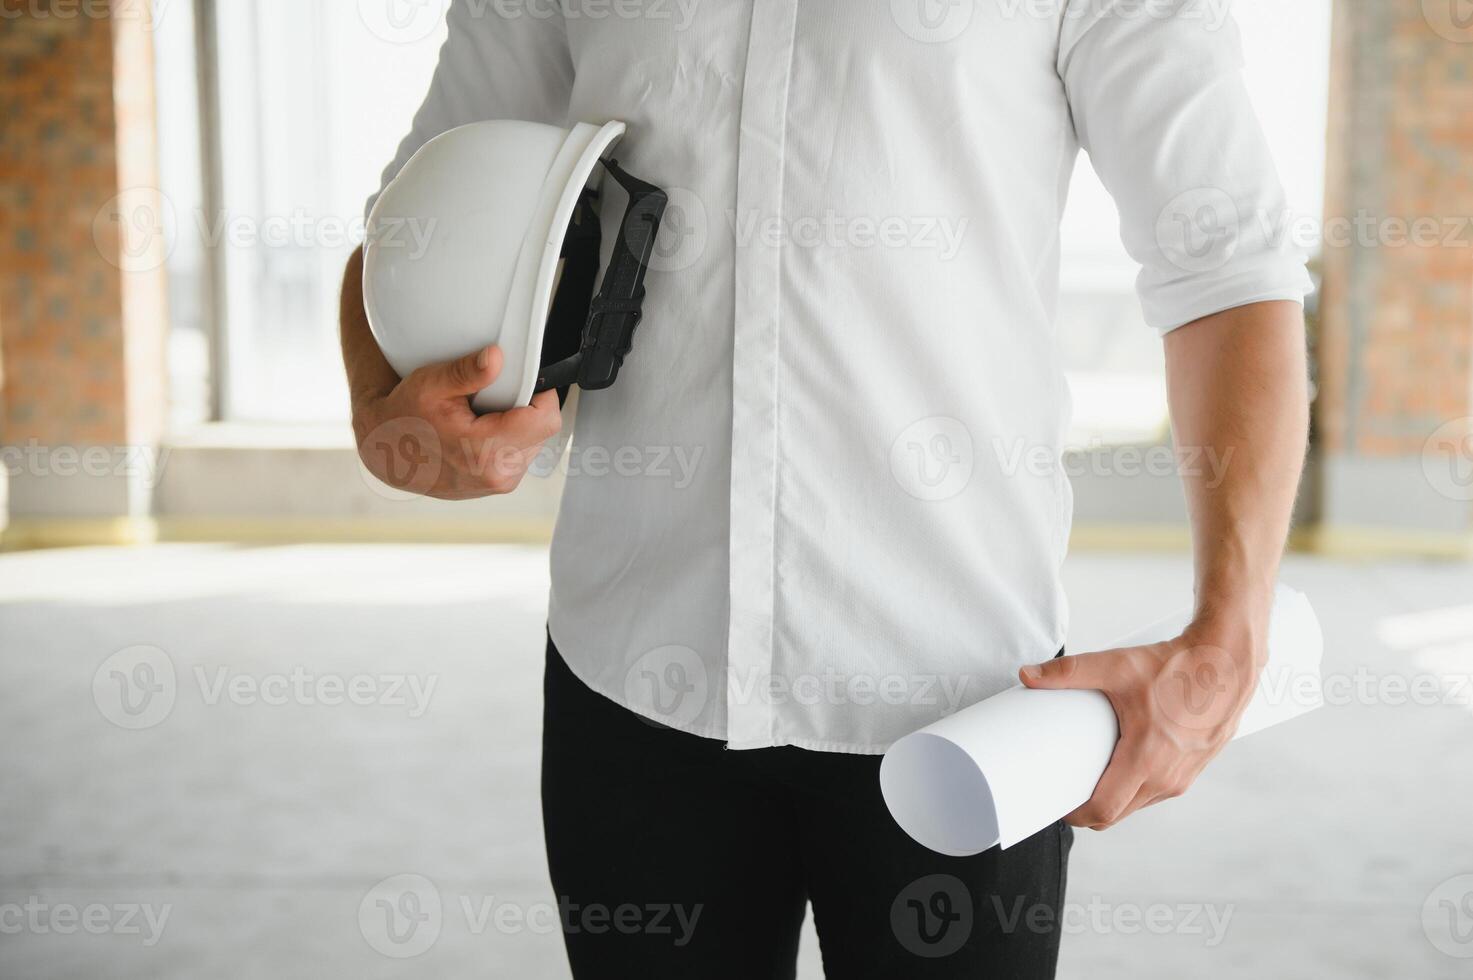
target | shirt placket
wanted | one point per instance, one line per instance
(755, 374)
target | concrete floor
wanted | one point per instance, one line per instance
(1332, 847)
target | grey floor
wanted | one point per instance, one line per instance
(237, 826)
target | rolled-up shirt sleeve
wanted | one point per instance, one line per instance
(497, 63)
(1158, 102)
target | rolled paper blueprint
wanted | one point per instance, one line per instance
(1007, 767)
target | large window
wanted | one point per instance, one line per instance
(300, 105)
(1114, 361)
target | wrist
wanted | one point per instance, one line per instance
(1238, 598)
(1236, 624)
(365, 413)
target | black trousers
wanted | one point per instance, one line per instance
(672, 856)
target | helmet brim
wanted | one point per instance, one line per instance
(535, 278)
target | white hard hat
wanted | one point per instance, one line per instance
(465, 246)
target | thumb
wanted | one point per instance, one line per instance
(1089, 671)
(465, 375)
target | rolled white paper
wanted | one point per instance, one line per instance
(1005, 768)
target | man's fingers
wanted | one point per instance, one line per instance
(525, 428)
(1086, 670)
(1114, 793)
(465, 375)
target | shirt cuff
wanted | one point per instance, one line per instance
(1169, 307)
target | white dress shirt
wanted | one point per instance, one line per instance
(824, 504)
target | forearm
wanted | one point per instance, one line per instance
(1237, 385)
(369, 373)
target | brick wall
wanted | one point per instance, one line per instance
(1397, 336)
(82, 329)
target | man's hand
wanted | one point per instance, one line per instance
(421, 436)
(1236, 382)
(1178, 704)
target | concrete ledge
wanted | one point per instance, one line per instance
(1130, 537)
(1343, 541)
(370, 530)
(34, 534)
(1336, 542)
